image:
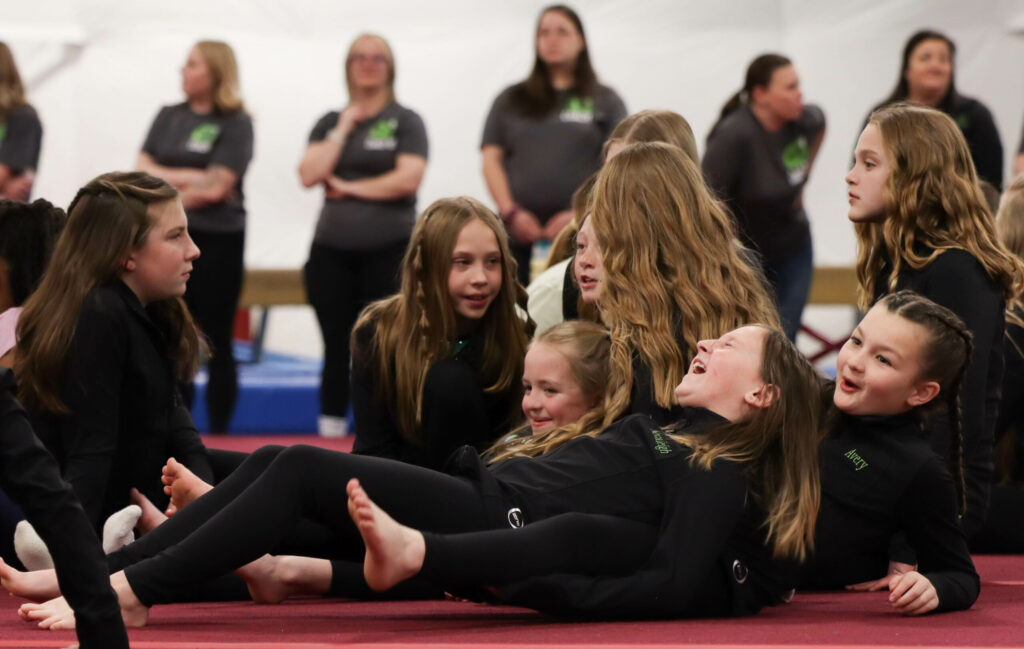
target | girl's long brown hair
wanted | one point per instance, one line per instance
(931, 197)
(778, 446)
(417, 326)
(108, 219)
(673, 270)
(12, 91)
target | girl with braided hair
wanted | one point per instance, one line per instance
(878, 476)
(437, 365)
(922, 224)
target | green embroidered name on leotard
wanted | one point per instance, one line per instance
(660, 443)
(857, 460)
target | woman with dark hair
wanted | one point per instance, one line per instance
(926, 78)
(202, 147)
(21, 133)
(758, 159)
(369, 157)
(543, 136)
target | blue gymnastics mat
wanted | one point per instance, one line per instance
(276, 395)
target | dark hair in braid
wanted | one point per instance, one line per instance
(945, 359)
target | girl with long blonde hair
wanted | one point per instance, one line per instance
(437, 365)
(203, 147)
(660, 259)
(923, 224)
(21, 132)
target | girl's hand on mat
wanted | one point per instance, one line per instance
(911, 593)
(895, 568)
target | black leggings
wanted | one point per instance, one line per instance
(256, 507)
(574, 543)
(339, 284)
(212, 297)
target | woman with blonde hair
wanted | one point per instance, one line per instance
(922, 224)
(202, 147)
(21, 132)
(369, 158)
(659, 258)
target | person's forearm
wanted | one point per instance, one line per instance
(176, 176)
(319, 160)
(386, 187)
(497, 179)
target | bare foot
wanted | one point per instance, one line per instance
(37, 585)
(273, 579)
(56, 614)
(151, 516)
(394, 552)
(181, 485)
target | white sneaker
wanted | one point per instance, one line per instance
(331, 426)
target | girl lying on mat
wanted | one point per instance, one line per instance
(879, 477)
(729, 469)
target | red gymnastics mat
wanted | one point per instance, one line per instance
(834, 620)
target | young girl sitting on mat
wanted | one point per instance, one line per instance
(437, 365)
(879, 476)
(740, 467)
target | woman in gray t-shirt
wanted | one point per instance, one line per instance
(21, 133)
(543, 136)
(203, 147)
(369, 158)
(758, 159)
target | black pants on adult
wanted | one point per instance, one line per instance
(245, 517)
(212, 297)
(31, 477)
(339, 284)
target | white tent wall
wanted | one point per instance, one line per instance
(98, 71)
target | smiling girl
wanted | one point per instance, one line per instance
(104, 339)
(922, 224)
(436, 366)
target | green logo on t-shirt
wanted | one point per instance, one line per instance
(382, 135)
(3, 132)
(578, 109)
(963, 120)
(795, 156)
(202, 138)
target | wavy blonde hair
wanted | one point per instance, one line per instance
(417, 327)
(645, 126)
(223, 69)
(778, 447)
(585, 347)
(12, 91)
(674, 271)
(931, 197)
(108, 219)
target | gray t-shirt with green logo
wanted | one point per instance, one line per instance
(180, 137)
(371, 149)
(761, 176)
(547, 159)
(21, 136)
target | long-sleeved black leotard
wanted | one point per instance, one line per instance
(631, 471)
(880, 477)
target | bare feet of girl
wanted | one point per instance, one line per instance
(151, 516)
(181, 485)
(36, 585)
(57, 615)
(273, 579)
(394, 552)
